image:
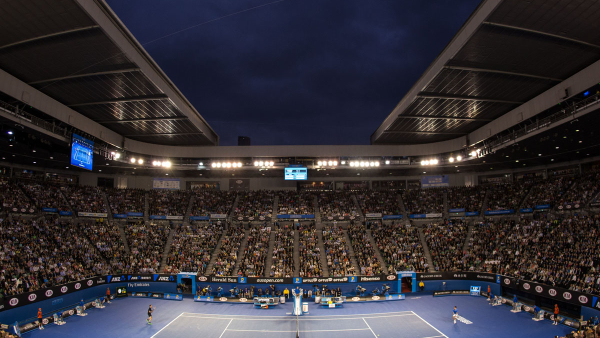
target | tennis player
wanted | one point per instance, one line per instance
(150, 310)
(455, 314)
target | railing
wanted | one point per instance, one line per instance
(36, 121)
(569, 111)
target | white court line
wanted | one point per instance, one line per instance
(443, 335)
(167, 325)
(369, 327)
(434, 336)
(285, 319)
(356, 316)
(222, 333)
(269, 331)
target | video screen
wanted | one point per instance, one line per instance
(296, 174)
(82, 152)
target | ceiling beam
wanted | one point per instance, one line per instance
(443, 118)
(118, 70)
(163, 134)
(123, 99)
(422, 132)
(483, 70)
(464, 98)
(150, 119)
(42, 37)
(541, 33)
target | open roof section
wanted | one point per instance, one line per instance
(80, 54)
(507, 53)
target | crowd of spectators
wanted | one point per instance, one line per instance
(507, 196)
(43, 195)
(168, 202)
(255, 204)
(84, 199)
(400, 247)
(383, 202)
(146, 244)
(363, 251)
(283, 252)
(583, 191)
(105, 236)
(424, 201)
(336, 252)
(445, 242)
(337, 204)
(123, 201)
(192, 248)
(483, 248)
(230, 247)
(37, 254)
(468, 198)
(295, 203)
(208, 202)
(309, 252)
(548, 191)
(255, 252)
(13, 198)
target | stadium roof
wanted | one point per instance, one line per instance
(507, 53)
(80, 54)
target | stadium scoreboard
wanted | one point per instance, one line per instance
(82, 152)
(298, 173)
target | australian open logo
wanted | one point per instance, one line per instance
(567, 296)
(223, 299)
(375, 298)
(355, 299)
(552, 292)
(71, 312)
(243, 300)
(526, 286)
(202, 278)
(13, 301)
(391, 277)
(90, 282)
(32, 297)
(45, 321)
(583, 299)
(64, 289)
(506, 281)
(77, 286)
(539, 289)
(526, 308)
(49, 293)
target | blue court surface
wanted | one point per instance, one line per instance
(419, 316)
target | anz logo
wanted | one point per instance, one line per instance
(165, 279)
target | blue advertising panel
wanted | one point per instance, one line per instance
(392, 217)
(500, 212)
(82, 152)
(526, 210)
(472, 213)
(542, 206)
(435, 181)
(296, 174)
(457, 210)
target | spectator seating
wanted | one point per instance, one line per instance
(43, 195)
(283, 252)
(583, 191)
(309, 252)
(295, 203)
(336, 252)
(363, 251)
(13, 198)
(383, 202)
(255, 204)
(123, 201)
(230, 247)
(468, 198)
(337, 204)
(401, 247)
(445, 244)
(105, 236)
(146, 243)
(192, 248)
(208, 202)
(84, 199)
(424, 201)
(508, 196)
(548, 191)
(168, 202)
(255, 252)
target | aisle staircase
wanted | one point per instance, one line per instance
(484, 205)
(233, 207)
(269, 260)
(317, 212)
(468, 238)
(353, 260)
(377, 252)
(167, 250)
(405, 217)
(275, 207)
(358, 208)
(214, 254)
(124, 238)
(241, 253)
(188, 211)
(107, 203)
(296, 253)
(321, 246)
(445, 213)
(425, 249)
(66, 203)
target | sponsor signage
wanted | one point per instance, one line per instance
(392, 217)
(250, 219)
(135, 214)
(119, 216)
(417, 216)
(457, 210)
(435, 181)
(92, 214)
(452, 293)
(472, 213)
(526, 210)
(173, 296)
(542, 206)
(373, 215)
(500, 212)
(290, 216)
(54, 210)
(170, 217)
(464, 275)
(218, 215)
(65, 213)
(199, 218)
(296, 280)
(433, 215)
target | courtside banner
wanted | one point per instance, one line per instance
(555, 293)
(452, 293)
(305, 280)
(461, 275)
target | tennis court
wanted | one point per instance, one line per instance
(383, 325)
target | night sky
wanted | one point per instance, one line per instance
(295, 71)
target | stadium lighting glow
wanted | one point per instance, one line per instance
(330, 163)
(141, 161)
(10, 132)
(424, 162)
(434, 161)
(239, 164)
(201, 163)
(334, 163)
(320, 163)
(228, 164)
(272, 163)
(387, 162)
(256, 163)
(343, 162)
(377, 163)
(260, 163)
(451, 160)
(218, 164)
(458, 158)
(214, 164)
(166, 164)
(132, 160)
(372, 164)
